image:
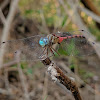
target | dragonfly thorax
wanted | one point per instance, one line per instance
(52, 39)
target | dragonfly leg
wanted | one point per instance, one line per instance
(43, 52)
(47, 51)
(52, 51)
(55, 51)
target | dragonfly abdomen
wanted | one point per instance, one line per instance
(76, 36)
(69, 37)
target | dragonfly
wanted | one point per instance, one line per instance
(41, 46)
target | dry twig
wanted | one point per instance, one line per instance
(3, 19)
(79, 81)
(45, 89)
(10, 63)
(56, 74)
(7, 27)
(22, 78)
(3, 91)
(5, 2)
(90, 13)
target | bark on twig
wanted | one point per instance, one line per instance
(2, 17)
(57, 74)
(69, 84)
(79, 81)
(7, 27)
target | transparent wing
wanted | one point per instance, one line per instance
(29, 48)
(76, 46)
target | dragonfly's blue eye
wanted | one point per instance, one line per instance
(43, 41)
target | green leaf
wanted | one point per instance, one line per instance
(45, 98)
(64, 21)
(29, 11)
(22, 66)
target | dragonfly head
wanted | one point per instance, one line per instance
(43, 41)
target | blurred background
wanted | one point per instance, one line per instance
(30, 80)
